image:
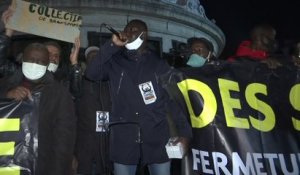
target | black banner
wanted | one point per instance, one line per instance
(18, 136)
(245, 117)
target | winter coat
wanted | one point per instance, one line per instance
(139, 128)
(56, 124)
(91, 146)
(244, 51)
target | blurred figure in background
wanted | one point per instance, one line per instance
(296, 54)
(7, 66)
(69, 75)
(93, 107)
(201, 52)
(260, 47)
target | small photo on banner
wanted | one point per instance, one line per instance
(102, 121)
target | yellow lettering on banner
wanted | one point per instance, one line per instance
(229, 104)
(210, 103)
(294, 100)
(269, 122)
(7, 148)
(15, 170)
(9, 124)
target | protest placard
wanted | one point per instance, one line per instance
(44, 21)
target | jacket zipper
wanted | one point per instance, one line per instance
(121, 78)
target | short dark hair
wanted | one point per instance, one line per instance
(140, 22)
(53, 43)
(36, 46)
(207, 43)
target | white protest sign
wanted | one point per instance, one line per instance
(44, 21)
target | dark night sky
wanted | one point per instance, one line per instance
(237, 17)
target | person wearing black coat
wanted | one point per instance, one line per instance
(56, 116)
(91, 150)
(138, 126)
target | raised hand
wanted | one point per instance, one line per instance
(6, 15)
(120, 40)
(75, 51)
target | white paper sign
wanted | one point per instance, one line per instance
(44, 21)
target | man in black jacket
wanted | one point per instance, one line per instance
(58, 124)
(139, 128)
(56, 116)
(91, 148)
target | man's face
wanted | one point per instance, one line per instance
(133, 30)
(36, 56)
(91, 56)
(54, 54)
(200, 49)
(35, 61)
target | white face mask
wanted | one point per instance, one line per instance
(52, 67)
(33, 71)
(135, 44)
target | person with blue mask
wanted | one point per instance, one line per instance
(201, 52)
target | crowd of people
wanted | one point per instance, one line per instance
(111, 115)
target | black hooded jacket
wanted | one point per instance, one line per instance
(139, 128)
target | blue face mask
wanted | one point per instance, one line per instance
(196, 61)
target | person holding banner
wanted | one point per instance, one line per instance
(56, 118)
(139, 129)
(201, 52)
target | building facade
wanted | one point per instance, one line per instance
(170, 22)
